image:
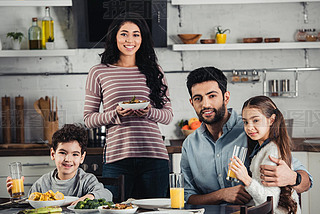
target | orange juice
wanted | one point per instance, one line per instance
(177, 197)
(231, 173)
(17, 188)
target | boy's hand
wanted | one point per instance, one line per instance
(240, 170)
(9, 185)
(90, 196)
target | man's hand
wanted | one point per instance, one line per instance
(277, 176)
(235, 195)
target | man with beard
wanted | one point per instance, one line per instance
(206, 152)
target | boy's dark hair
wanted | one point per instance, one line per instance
(204, 74)
(71, 132)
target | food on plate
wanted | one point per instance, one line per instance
(118, 206)
(51, 209)
(48, 196)
(134, 100)
(92, 204)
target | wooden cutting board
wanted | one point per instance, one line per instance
(23, 146)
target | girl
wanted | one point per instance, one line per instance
(264, 123)
(134, 145)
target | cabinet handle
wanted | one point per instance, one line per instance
(35, 164)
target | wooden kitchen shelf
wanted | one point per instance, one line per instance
(37, 53)
(197, 2)
(44, 3)
(245, 46)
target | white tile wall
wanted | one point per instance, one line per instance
(252, 20)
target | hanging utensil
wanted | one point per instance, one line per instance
(56, 113)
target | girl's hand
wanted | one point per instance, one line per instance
(240, 170)
(142, 112)
(90, 196)
(9, 184)
(124, 112)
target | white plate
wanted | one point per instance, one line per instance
(69, 200)
(134, 106)
(169, 212)
(153, 203)
(82, 211)
(124, 211)
(38, 204)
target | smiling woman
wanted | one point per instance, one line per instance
(134, 147)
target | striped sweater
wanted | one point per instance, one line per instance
(127, 137)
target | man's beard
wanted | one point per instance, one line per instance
(219, 114)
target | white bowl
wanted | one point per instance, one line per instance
(38, 204)
(117, 211)
(82, 211)
(134, 106)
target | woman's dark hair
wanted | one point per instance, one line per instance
(71, 132)
(279, 135)
(146, 59)
(204, 74)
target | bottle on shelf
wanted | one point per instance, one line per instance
(34, 35)
(47, 28)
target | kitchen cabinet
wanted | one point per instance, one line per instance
(192, 2)
(33, 167)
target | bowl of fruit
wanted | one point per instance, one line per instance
(189, 126)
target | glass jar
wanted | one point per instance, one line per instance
(301, 35)
(235, 77)
(255, 76)
(311, 35)
(244, 77)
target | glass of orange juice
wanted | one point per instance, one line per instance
(17, 181)
(241, 153)
(177, 190)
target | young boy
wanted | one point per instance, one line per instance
(68, 151)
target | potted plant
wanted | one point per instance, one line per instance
(50, 43)
(16, 38)
(221, 37)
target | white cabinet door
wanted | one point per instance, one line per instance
(314, 167)
(32, 168)
(303, 158)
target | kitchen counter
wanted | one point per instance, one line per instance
(175, 147)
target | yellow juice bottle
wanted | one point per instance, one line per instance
(177, 197)
(47, 28)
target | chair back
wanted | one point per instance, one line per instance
(265, 208)
(118, 182)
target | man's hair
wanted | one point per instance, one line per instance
(205, 74)
(71, 132)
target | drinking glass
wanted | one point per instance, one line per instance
(17, 181)
(241, 153)
(176, 190)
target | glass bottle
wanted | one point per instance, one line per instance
(47, 28)
(34, 35)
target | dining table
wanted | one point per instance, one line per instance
(14, 208)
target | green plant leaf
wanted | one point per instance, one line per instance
(15, 35)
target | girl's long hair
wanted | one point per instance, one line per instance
(146, 59)
(279, 135)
